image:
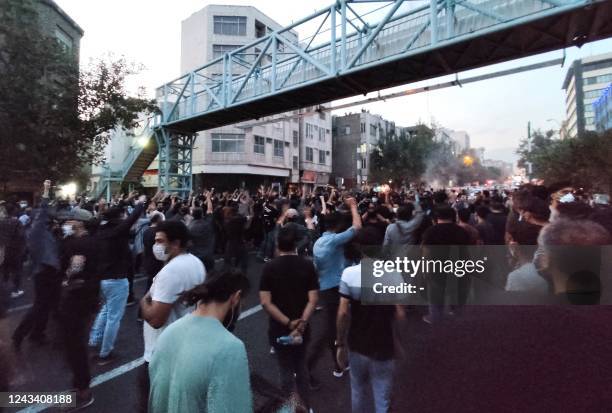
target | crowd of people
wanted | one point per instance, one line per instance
(83, 255)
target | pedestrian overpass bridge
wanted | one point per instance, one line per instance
(355, 51)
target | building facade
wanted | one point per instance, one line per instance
(55, 22)
(602, 108)
(459, 140)
(287, 148)
(584, 82)
(355, 136)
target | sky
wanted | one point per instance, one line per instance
(493, 112)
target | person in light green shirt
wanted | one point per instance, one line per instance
(198, 365)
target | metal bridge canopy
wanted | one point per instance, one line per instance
(359, 46)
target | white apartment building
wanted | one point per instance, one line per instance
(286, 148)
(585, 80)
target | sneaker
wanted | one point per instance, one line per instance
(103, 361)
(338, 373)
(427, 319)
(272, 351)
(17, 294)
(267, 259)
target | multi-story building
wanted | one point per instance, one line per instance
(584, 82)
(602, 108)
(55, 22)
(459, 140)
(282, 148)
(354, 137)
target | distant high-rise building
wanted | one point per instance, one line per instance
(602, 108)
(584, 82)
(459, 140)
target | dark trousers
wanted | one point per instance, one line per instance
(293, 370)
(236, 255)
(12, 272)
(47, 291)
(329, 299)
(144, 386)
(77, 312)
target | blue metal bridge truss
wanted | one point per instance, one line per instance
(355, 52)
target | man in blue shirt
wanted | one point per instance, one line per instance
(328, 253)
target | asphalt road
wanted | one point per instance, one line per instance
(492, 359)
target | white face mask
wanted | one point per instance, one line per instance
(159, 251)
(67, 230)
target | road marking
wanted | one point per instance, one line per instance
(124, 368)
(28, 306)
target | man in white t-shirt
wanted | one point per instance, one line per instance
(161, 305)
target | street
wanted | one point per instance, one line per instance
(500, 359)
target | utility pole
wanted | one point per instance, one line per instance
(529, 166)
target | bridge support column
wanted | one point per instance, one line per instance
(175, 157)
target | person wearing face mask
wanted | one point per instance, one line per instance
(198, 364)
(161, 306)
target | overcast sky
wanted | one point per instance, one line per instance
(493, 112)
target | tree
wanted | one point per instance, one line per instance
(54, 120)
(585, 161)
(408, 158)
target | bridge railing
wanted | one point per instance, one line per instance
(347, 39)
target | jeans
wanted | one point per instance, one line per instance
(105, 328)
(371, 382)
(293, 370)
(329, 299)
(268, 244)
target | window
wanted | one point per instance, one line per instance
(589, 67)
(227, 142)
(373, 130)
(220, 49)
(260, 144)
(260, 29)
(64, 39)
(295, 162)
(309, 154)
(592, 94)
(598, 79)
(322, 134)
(230, 25)
(309, 131)
(295, 138)
(347, 130)
(278, 148)
(362, 127)
(322, 157)
(363, 163)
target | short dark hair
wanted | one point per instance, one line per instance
(333, 221)
(198, 213)
(440, 196)
(483, 212)
(218, 287)
(464, 215)
(404, 213)
(286, 238)
(446, 213)
(174, 230)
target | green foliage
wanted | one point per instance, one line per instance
(54, 121)
(420, 157)
(585, 161)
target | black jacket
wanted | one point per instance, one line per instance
(115, 257)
